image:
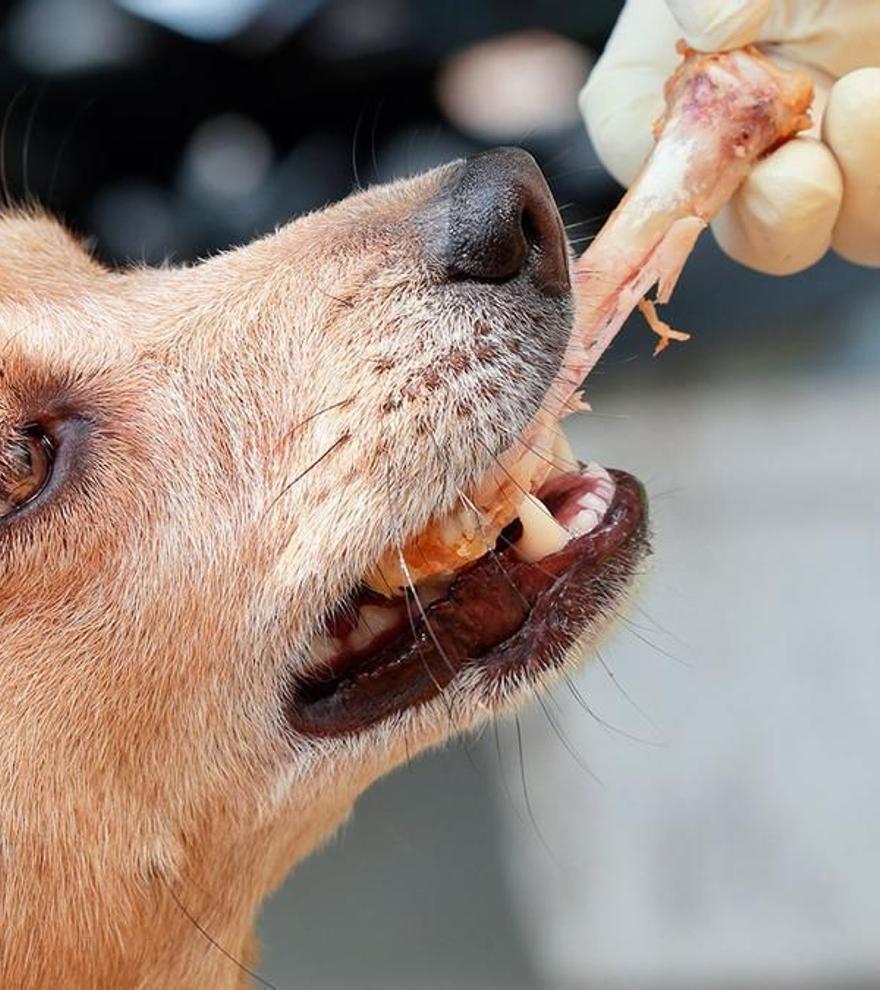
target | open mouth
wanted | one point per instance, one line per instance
(506, 584)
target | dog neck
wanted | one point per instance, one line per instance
(73, 920)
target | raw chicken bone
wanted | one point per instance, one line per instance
(724, 112)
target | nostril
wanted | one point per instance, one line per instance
(502, 221)
(530, 228)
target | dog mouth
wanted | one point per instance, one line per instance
(495, 593)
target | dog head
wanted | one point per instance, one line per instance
(269, 525)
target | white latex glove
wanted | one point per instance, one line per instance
(818, 191)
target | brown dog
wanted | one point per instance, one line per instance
(216, 485)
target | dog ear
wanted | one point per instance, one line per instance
(39, 257)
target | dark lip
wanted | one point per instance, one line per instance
(481, 623)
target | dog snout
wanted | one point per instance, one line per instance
(503, 220)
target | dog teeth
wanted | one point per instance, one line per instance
(592, 469)
(460, 527)
(593, 500)
(372, 622)
(541, 535)
(467, 532)
(585, 521)
(592, 505)
(359, 637)
(603, 483)
(523, 468)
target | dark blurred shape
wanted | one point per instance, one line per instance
(353, 28)
(135, 222)
(417, 149)
(221, 20)
(55, 37)
(310, 176)
(228, 159)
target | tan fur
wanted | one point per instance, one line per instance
(153, 606)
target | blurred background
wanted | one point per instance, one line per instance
(700, 806)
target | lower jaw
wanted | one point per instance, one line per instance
(509, 619)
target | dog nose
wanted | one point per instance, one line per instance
(503, 220)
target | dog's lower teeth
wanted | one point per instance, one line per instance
(542, 534)
(585, 521)
(592, 469)
(593, 500)
(372, 622)
(592, 505)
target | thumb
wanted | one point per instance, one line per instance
(716, 25)
(781, 218)
(624, 92)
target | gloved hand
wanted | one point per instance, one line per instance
(818, 191)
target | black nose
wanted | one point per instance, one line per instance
(503, 220)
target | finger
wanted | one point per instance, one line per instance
(716, 25)
(624, 93)
(781, 219)
(851, 126)
(835, 36)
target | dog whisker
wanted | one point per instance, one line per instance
(413, 591)
(566, 742)
(212, 941)
(65, 141)
(334, 446)
(26, 142)
(4, 130)
(333, 405)
(347, 303)
(610, 726)
(614, 680)
(527, 800)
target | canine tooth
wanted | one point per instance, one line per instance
(522, 472)
(583, 522)
(542, 534)
(465, 533)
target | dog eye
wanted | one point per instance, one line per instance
(25, 468)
